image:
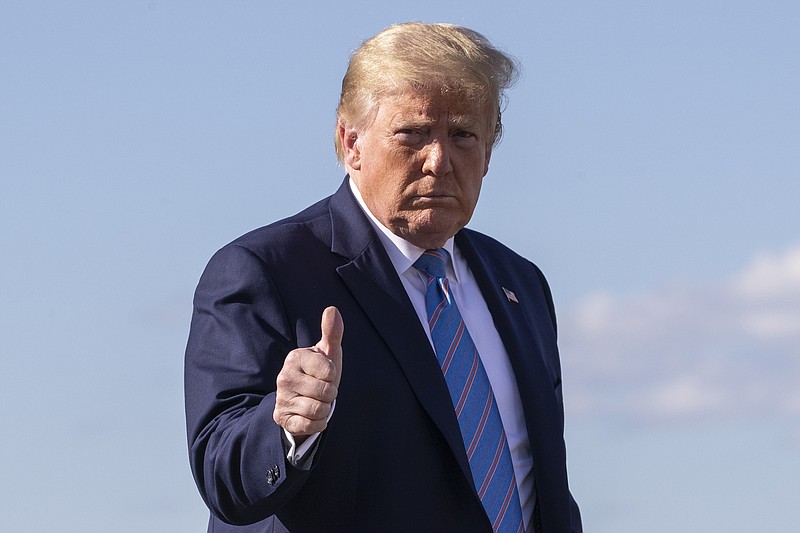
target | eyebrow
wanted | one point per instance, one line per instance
(465, 121)
(455, 120)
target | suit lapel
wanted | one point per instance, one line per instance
(374, 284)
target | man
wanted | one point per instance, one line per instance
(369, 365)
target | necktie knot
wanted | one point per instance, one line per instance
(433, 262)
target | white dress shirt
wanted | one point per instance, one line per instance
(481, 328)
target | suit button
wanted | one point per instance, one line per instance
(273, 474)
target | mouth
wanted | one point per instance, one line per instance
(432, 200)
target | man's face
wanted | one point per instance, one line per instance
(419, 164)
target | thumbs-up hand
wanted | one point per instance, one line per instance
(308, 383)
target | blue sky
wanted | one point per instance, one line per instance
(650, 167)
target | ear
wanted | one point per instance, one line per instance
(351, 148)
(486, 159)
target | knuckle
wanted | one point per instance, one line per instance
(294, 360)
(331, 370)
(316, 366)
(329, 392)
(319, 410)
(312, 410)
(282, 380)
(295, 424)
(309, 409)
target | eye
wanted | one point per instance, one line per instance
(408, 136)
(464, 134)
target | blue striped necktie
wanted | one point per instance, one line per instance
(473, 400)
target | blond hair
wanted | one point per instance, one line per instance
(425, 58)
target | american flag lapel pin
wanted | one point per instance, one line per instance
(510, 295)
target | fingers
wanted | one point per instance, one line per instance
(305, 392)
(306, 408)
(303, 416)
(308, 373)
(308, 383)
(299, 426)
(314, 363)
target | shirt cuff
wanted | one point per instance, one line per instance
(299, 456)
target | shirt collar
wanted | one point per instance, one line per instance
(402, 253)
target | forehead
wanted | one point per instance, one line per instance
(430, 108)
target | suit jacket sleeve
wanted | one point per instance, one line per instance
(238, 340)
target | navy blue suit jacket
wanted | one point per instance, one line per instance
(392, 458)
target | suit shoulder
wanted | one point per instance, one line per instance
(286, 235)
(496, 249)
(488, 243)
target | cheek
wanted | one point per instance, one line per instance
(385, 195)
(472, 182)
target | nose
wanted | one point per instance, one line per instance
(437, 159)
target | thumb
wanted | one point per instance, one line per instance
(332, 332)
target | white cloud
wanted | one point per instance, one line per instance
(686, 352)
(771, 276)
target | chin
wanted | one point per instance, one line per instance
(430, 228)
